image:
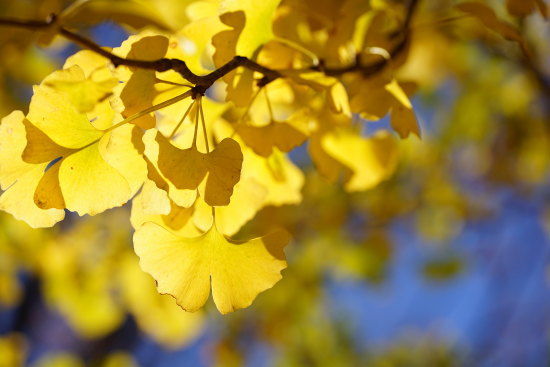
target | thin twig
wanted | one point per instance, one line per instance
(374, 68)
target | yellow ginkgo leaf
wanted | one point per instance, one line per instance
(281, 135)
(151, 201)
(398, 93)
(83, 182)
(89, 184)
(277, 174)
(370, 98)
(182, 197)
(176, 218)
(326, 165)
(187, 268)
(19, 179)
(97, 171)
(55, 115)
(256, 18)
(248, 198)
(281, 179)
(94, 66)
(84, 93)
(403, 118)
(199, 32)
(138, 91)
(48, 193)
(336, 94)
(372, 159)
(121, 150)
(187, 168)
(403, 121)
(250, 28)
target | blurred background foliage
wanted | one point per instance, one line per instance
(445, 264)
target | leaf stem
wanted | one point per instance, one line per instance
(181, 121)
(203, 126)
(154, 108)
(196, 131)
(269, 107)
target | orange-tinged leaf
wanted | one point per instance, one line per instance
(187, 168)
(182, 197)
(403, 120)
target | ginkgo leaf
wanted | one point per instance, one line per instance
(121, 151)
(54, 114)
(335, 91)
(250, 28)
(86, 174)
(182, 197)
(264, 139)
(372, 160)
(84, 93)
(48, 193)
(187, 168)
(94, 66)
(398, 93)
(403, 118)
(83, 182)
(326, 164)
(175, 218)
(374, 98)
(151, 201)
(90, 170)
(19, 179)
(403, 121)
(40, 148)
(187, 268)
(281, 178)
(204, 25)
(248, 198)
(256, 26)
(370, 98)
(138, 91)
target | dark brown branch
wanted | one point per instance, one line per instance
(160, 65)
(203, 82)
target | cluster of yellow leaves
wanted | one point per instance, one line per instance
(197, 169)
